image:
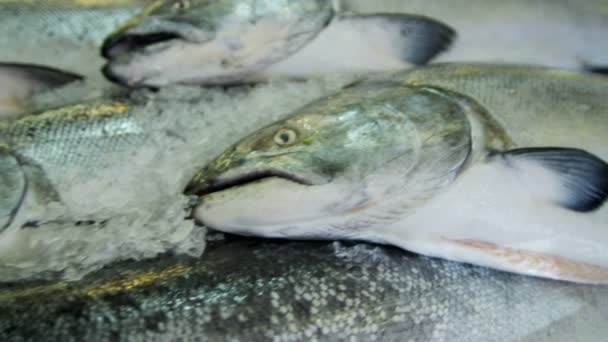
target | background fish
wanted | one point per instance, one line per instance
(235, 41)
(378, 36)
(18, 82)
(564, 33)
(263, 290)
(498, 165)
(46, 44)
(64, 34)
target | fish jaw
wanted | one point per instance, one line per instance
(210, 43)
(273, 207)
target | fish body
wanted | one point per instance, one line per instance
(63, 34)
(236, 41)
(39, 149)
(247, 290)
(497, 165)
(46, 44)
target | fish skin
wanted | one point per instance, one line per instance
(64, 34)
(381, 159)
(563, 33)
(313, 290)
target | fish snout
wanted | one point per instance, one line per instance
(112, 76)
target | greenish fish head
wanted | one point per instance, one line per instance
(320, 168)
(210, 41)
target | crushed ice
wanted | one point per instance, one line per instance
(132, 201)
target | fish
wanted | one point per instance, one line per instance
(561, 34)
(18, 82)
(176, 42)
(47, 44)
(245, 41)
(62, 34)
(35, 147)
(502, 166)
(252, 289)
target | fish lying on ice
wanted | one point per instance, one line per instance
(252, 290)
(233, 41)
(63, 34)
(18, 82)
(496, 165)
(46, 44)
(206, 42)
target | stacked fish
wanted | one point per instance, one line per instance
(492, 155)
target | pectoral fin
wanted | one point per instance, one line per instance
(413, 39)
(362, 43)
(596, 69)
(20, 81)
(572, 178)
(13, 187)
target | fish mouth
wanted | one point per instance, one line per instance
(200, 189)
(122, 43)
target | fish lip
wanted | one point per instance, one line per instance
(201, 189)
(121, 43)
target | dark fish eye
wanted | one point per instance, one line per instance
(285, 136)
(181, 5)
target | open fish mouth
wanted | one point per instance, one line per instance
(209, 186)
(121, 43)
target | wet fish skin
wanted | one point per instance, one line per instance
(412, 160)
(64, 34)
(313, 290)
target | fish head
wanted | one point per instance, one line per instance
(318, 172)
(210, 41)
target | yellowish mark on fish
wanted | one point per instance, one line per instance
(129, 282)
(538, 263)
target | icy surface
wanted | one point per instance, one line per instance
(134, 199)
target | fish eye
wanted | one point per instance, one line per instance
(181, 5)
(285, 137)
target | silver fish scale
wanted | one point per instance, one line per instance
(50, 21)
(303, 291)
(70, 142)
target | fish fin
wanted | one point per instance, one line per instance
(20, 81)
(13, 187)
(579, 182)
(414, 39)
(531, 262)
(24, 187)
(597, 69)
(367, 43)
